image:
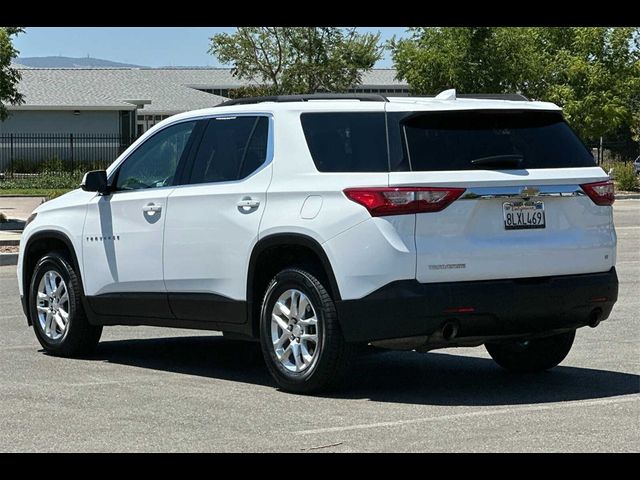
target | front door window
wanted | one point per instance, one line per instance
(154, 163)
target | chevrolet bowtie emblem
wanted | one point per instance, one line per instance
(529, 192)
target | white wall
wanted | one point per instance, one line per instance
(39, 121)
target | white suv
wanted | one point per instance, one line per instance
(315, 223)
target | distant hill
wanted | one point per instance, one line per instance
(69, 62)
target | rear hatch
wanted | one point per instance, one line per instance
(526, 198)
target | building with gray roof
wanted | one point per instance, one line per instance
(128, 101)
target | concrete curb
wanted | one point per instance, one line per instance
(8, 259)
(628, 196)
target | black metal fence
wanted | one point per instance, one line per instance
(69, 152)
(614, 151)
(59, 152)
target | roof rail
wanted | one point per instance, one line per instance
(363, 97)
(518, 97)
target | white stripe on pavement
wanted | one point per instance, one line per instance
(501, 411)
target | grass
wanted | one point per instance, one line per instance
(33, 192)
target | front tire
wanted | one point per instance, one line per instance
(55, 306)
(301, 339)
(532, 355)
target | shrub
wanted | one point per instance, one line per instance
(626, 178)
(3, 217)
(22, 166)
(607, 165)
(53, 165)
(50, 181)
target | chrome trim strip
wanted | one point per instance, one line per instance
(523, 191)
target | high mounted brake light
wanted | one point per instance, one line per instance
(382, 201)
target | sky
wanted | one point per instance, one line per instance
(145, 46)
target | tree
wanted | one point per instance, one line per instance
(9, 77)
(285, 60)
(593, 73)
(470, 59)
(251, 91)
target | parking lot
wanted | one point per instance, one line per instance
(156, 389)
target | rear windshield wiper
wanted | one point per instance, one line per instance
(510, 160)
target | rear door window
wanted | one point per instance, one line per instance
(347, 141)
(466, 140)
(231, 148)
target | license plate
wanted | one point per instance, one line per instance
(523, 215)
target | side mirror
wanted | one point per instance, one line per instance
(95, 181)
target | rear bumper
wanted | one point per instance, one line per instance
(520, 306)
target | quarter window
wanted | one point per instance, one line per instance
(347, 141)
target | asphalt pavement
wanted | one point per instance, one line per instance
(157, 389)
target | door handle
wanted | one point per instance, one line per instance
(152, 208)
(248, 203)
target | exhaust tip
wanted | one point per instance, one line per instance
(595, 317)
(450, 331)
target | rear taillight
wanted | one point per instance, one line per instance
(381, 201)
(602, 193)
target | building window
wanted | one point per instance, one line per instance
(223, 92)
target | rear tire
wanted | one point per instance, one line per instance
(532, 355)
(305, 310)
(59, 320)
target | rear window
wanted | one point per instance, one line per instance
(347, 141)
(482, 139)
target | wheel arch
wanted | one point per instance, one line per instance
(37, 245)
(284, 241)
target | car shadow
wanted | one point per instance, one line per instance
(384, 376)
